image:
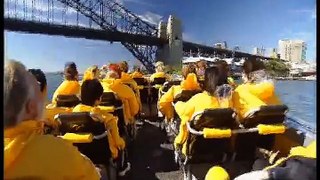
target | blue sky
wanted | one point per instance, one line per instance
(246, 23)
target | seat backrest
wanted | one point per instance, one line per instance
(201, 150)
(108, 99)
(79, 122)
(67, 100)
(185, 95)
(273, 114)
(169, 84)
(246, 144)
(158, 81)
(140, 81)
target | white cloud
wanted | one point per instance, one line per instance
(121, 2)
(310, 13)
(301, 35)
(314, 14)
(190, 38)
(151, 18)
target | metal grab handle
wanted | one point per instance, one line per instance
(236, 131)
(100, 136)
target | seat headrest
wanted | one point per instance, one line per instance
(67, 100)
(110, 99)
(273, 114)
(140, 81)
(79, 122)
(215, 118)
(185, 95)
(158, 81)
(167, 85)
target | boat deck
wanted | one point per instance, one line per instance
(149, 160)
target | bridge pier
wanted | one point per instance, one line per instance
(171, 54)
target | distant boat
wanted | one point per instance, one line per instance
(311, 78)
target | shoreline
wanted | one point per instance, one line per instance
(296, 78)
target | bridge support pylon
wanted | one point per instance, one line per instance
(171, 53)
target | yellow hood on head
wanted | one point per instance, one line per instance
(263, 90)
(136, 74)
(88, 75)
(16, 138)
(190, 83)
(125, 76)
(110, 82)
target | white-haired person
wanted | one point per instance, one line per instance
(160, 71)
(28, 153)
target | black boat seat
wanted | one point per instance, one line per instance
(167, 85)
(185, 95)
(209, 138)
(203, 147)
(272, 114)
(246, 144)
(140, 81)
(83, 123)
(109, 99)
(158, 81)
(67, 100)
(205, 150)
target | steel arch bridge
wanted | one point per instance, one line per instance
(95, 19)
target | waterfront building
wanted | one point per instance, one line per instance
(274, 53)
(292, 50)
(222, 45)
(259, 51)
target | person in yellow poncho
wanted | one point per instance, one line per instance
(214, 83)
(257, 89)
(127, 79)
(190, 82)
(224, 65)
(70, 85)
(300, 164)
(136, 73)
(41, 78)
(159, 72)
(201, 67)
(112, 83)
(28, 153)
(91, 73)
(91, 92)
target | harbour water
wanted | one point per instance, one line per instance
(299, 96)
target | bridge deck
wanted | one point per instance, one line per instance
(80, 32)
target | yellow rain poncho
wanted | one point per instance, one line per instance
(251, 96)
(165, 106)
(127, 96)
(66, 88)
(29, 154)
(136, 74)
(158, 75)
(110, 121)
(127, 79)
(197, 103)
(89, 74)
(309, 152)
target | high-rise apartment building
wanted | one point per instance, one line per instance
(259, 51)
(274, 53)
(292, 50)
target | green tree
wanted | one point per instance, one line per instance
(276, 67)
